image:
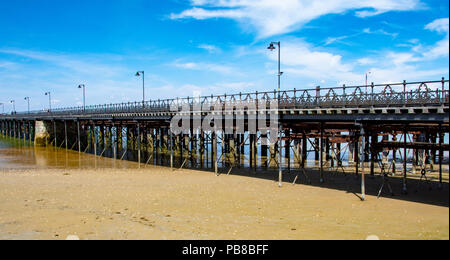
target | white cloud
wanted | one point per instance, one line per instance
(220, 88)
(366, 61)
(209, 48)
(301, 59)
(397, 66)
(271, 17)
(188, 65)
(438, 25)
(401, 58)
(305, 62)
(6, 64)
(236, 86)
(84, 65)
(35, 73)
(380, 31)
(331, 40)
(441, 49)
(222, 69)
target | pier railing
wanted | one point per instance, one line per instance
(405, 94)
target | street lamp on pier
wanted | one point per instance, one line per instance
(271, 48)
(138, 74)
(84, 95)
(28, 101)
(367, 79)
(49, 101)
(13, 102)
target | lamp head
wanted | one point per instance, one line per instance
(271, 47)
(139, 73)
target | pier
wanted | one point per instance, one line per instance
(389, 128)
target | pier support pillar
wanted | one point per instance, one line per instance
(304, 150)
(363, 160)
(214, 149)
(55, 134)
(41, 133)
(441, 155)
(94, 133)
(394, 155)
(78, 136)
(65, 135)
(373, 153)
(351, 150)
(321, 154)
(280, 169)
(138, 136)
(171, 149)
(264, 148)
(405, 158)
(356, 153)
(316, 150)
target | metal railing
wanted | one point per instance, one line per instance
(405, 94)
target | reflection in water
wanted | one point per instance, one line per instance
(17, 154)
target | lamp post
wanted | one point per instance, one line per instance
(49, 101)
(367, 78)
(13, 102)
(28, 101)
(84, 95)
(271, 48)
(138, 74)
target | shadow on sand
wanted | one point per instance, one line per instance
(428, 192)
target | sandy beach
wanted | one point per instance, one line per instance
(156, 203)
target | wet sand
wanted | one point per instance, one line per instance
(156, 203)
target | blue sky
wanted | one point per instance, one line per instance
(212, 46)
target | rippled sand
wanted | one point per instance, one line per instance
(156, 203)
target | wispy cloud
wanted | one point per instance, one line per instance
(380, 31)
(331, 40)
(366, 61)
(202, 66)
(6, 64)
(209, 48)
(196, 90)
(89, 64)
(34, 72)
(288, 14)
(340, 39)
(439, 25)
(441, 49)
(304, 60)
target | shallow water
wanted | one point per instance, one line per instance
(19, 154)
